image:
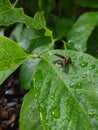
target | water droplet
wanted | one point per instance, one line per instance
(52, 97)
(56, 112)
(81, 57)
(72, 84)
(84, 75)
(84, 64)
(92, 67)
(91, 114)
(79, 85)
(49, 53)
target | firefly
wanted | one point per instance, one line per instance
(65, 60)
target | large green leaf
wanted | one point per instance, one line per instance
(88, 3)
(11, 56)
(63, 100)
(79, 34)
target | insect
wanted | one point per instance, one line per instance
(65, 60)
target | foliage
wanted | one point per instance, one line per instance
(63, 92)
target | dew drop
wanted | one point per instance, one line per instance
(56, 112)
(81, 57)
(72, 84)
(35, 95)
(92, 67)
(84, 64)
(79, 85)
(49, 53)
(84, 75)
(91, 114)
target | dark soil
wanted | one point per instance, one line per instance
(11, 98)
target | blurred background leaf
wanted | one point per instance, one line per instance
(87, 3)
(81, 30)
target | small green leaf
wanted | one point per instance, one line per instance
(88, 3)
(79, 34)
(11, 55)
(63, 100)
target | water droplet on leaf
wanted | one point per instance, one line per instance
(91, 114)
(79, 85)
(81, 57)
(84, 75)
(49, 53)
(72, 84)
(92, 67)
(56, 112)
(84, 64)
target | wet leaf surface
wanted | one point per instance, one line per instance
(63, 100)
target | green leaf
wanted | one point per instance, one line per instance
(39, 20)
(8, 16)
(27, 72)
(81, 30)
(30, 118)
(25, 36)
(63, 100)
(88, 3)
(11, 56)
(31, 39)
(4, 74)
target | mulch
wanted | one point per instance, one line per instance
(11, 98)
